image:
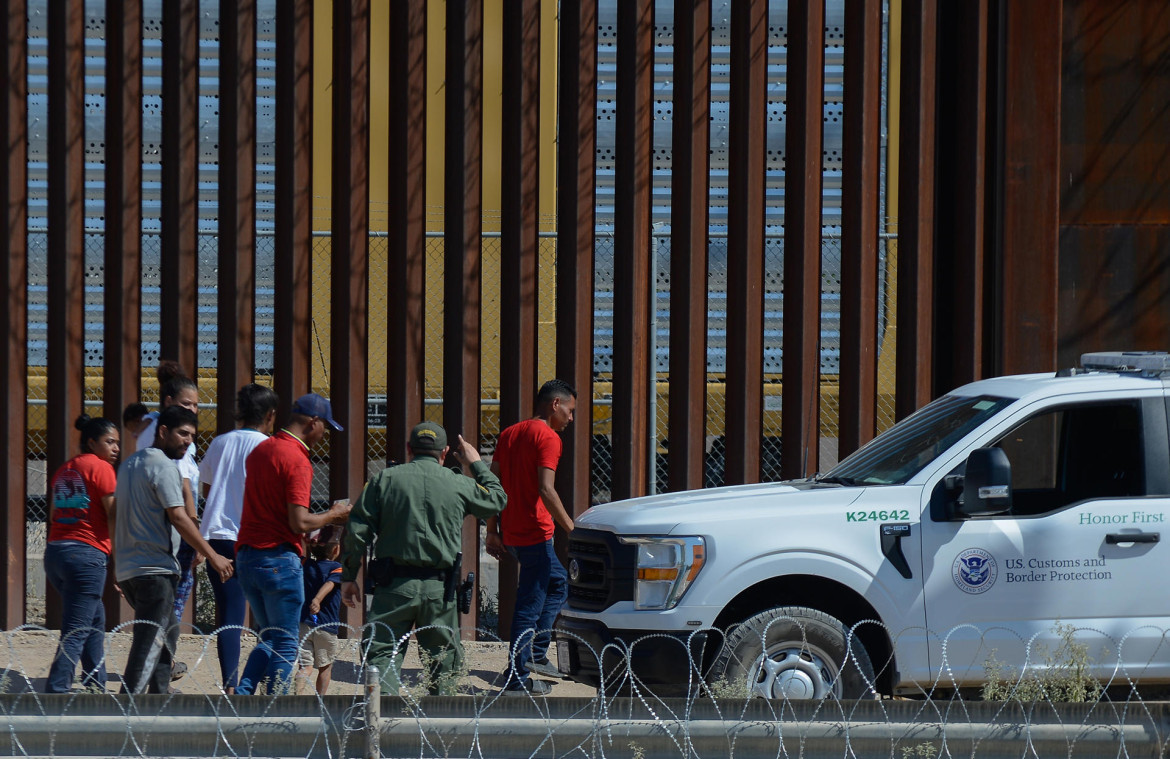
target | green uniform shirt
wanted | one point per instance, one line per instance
(413, 513)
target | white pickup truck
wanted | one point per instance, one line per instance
(974, 526)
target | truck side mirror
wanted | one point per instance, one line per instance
(987, 486)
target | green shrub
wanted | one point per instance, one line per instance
(1063, 675)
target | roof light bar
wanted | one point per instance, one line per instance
(1151, 363)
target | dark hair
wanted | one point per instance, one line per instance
(92, 429)
(134, 412)
(327, 537)
(172, 380)
(554, 388)
(176, 386)
(169, 370)
(176, 416)
(253, 402)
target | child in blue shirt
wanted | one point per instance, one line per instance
(320, 614)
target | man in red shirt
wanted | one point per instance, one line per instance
(269, 547)
(526, 462)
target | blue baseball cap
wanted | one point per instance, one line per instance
(314, 405)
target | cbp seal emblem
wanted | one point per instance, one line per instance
(974, 571)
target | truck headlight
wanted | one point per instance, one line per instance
(666, 568)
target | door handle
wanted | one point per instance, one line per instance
(1114, 538)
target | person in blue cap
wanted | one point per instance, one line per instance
(270, 545)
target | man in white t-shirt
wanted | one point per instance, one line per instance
(222, 473)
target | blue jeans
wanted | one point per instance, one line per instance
(542, 590)
(273, 583)
(229, 607)
(186, 559)
(77, 571)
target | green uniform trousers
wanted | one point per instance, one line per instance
(407, 604)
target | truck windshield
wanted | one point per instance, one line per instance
(902, 451)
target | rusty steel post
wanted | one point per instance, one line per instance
(462, 239)
(236, 299)
(576, 169)
(1029, 202)
(179, 271)
(14, 318)
(1114, 198)
(293, 201)
(746, 150)
(349, 262)
(407, 151)
(520, 212)
(66, 239)
(861, 192)
(691, 161)
(122, 375)
(633, 356)
(803, 174)
(915, 285)
(519, 241)
(961, 169)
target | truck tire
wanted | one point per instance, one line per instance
(794, 652)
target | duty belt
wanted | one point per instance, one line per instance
(381, 572)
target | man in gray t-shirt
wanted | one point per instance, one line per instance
(148, 504)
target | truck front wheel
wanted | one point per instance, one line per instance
(794, 652)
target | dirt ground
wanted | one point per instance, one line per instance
(27, 655)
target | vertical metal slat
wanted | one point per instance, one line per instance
(237, 205)
(180, 196)
(576, 170)
(66, 238)
(123, 253)
(14, 317)
(1029, 203)
(462, 236)
(916, 207)
(519, 199)
(349, 263)
(802, 238)
(691, 160)
(633, 356)
(293, 198)
(747, 125)
(859, 233)
(407, 151)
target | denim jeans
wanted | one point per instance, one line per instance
(77, 571)
(273, 583)
(156, 633)
(186, 558)
(542, 590)
(229, 608)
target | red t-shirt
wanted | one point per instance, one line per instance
(277, 473)
(521, 450)
(75, 501)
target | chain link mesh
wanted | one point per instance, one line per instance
(601, 465)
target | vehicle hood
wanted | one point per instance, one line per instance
(703, 511)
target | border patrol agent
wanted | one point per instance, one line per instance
(413, 515)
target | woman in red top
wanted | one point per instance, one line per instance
(81, 502)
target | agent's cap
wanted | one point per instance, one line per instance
(428, 436)
(314, 405)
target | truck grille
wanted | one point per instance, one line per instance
(604, 570)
